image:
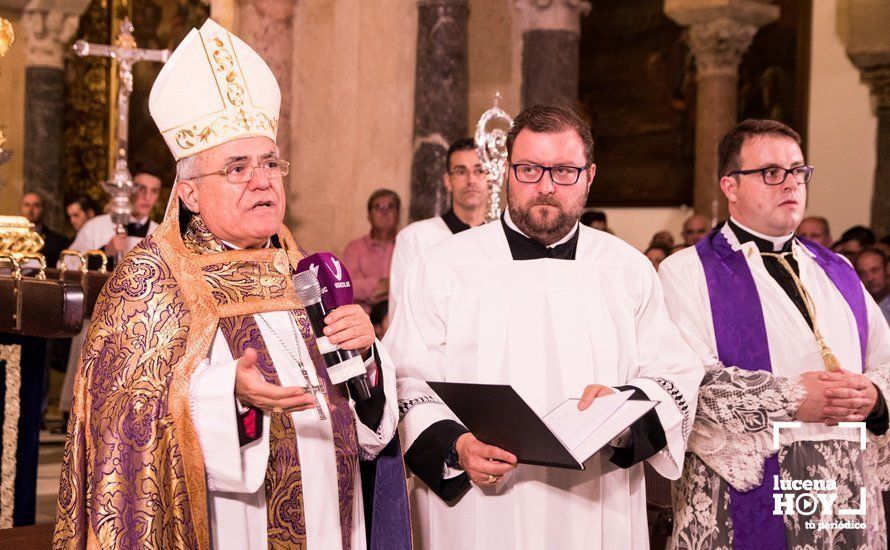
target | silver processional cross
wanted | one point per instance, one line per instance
(120, 185)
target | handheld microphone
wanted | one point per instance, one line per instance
(343, 365)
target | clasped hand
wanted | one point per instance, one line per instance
(347, 327)
(834, 397)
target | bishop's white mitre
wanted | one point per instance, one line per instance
(213, 89)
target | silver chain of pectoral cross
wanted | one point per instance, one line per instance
(315, 389)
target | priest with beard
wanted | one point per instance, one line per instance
(556, 310)
(203, 413)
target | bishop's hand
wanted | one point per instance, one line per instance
(253, 390)
(349, 327)
(485, 464)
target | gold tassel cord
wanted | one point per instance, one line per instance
(828, 357)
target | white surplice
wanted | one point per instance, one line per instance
(97, 232)
(548, 328)
(724, 452)
(235, 474)
(410, 241)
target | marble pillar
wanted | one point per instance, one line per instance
(718, 34)
(50, 27)
(268, 26)
(550, 55)
(440, 100)
(862, 26)
(878, 79)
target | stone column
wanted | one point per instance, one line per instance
(550, 54)
(718, 33)
(440, 100)
(49, 26)
(878, 79)
(268, 27)
(862, 26)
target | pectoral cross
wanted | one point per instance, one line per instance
(315, 391)
(120, 185)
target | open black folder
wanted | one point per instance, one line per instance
(564, 438)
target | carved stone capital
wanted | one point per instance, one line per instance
(878, 80)
(719, 32)
(50, 26)
(718, 46)
(552, 15)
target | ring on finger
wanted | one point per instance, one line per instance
(493, 478)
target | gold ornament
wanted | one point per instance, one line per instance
(7, 36)
(17, 236)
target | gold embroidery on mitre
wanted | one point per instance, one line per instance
(239, 117)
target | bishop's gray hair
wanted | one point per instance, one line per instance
(185, 167)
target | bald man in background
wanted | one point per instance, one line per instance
(695, 228)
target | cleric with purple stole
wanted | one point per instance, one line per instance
(203, 414)
(794, 348)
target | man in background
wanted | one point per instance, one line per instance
(694, 228)
(80, 211)
(816, 229)
(100, 233)
(368, 258)
(871, 265)
(53, 243)
(466, 182)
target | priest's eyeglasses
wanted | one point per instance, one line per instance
(776, 175)
(241, 172)
(560, 175)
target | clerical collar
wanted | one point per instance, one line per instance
(455, 224)
(231, 246)
(764, 243)
(138, 228)
(523, 247)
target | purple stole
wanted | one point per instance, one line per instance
(740, 331)
(390, 524)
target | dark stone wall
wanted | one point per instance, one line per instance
(440, 100)
(880, 206)
(44, 110)
(550, 68)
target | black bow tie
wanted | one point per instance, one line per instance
(525, 248)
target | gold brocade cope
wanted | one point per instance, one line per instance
(133, 473)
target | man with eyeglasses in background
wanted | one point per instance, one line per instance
(557, 310)
(368, 258)
(466, 182)
(787, 334)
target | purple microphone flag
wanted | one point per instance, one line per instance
(333, 279)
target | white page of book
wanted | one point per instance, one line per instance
(628, 413)
(573, 426)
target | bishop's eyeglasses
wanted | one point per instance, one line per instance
(242, 171)
(776, 175)
(560, 175)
